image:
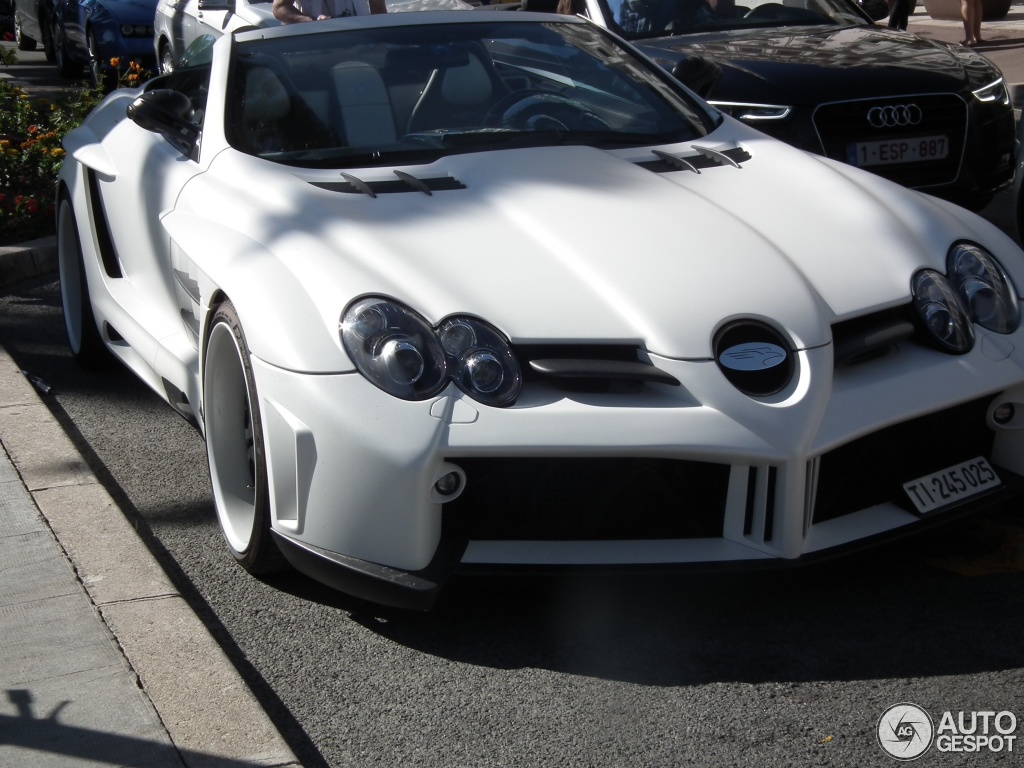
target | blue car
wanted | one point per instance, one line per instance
(91, 33)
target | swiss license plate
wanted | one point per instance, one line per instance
(952, 485)
(914, 150)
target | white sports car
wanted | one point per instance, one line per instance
(456, 290)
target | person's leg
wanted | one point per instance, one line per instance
(967, 12)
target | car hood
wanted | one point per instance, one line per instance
(575, 243)
(131, 11)
(810, 65)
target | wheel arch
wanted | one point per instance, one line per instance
(283, 324)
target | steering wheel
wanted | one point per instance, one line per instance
(532, 111)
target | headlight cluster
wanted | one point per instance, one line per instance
(753, 112)
(993, 92)
(974, 290)
(401, 353)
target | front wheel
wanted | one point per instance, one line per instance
(79, 322)
(166, 60)
(235, 446)
(66, 65)
(101, 77)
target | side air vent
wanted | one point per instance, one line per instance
(404, 182)
(703, 157)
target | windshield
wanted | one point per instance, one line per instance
(389, 95)
(636, 19)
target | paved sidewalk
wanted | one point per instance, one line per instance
(103, 663)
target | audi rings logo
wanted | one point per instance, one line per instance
(895, 116)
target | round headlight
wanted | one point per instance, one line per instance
(394, 348)
(941, 312)
(986, 290)
(483, 365)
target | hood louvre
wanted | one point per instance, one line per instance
(405, 182)
(705, 157)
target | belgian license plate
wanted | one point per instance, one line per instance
(914, 150)
(951, 485)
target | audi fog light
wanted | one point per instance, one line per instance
(941, 312)
(483, 365)
(983, 285)
(394, 348)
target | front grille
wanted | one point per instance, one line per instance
(872, 470)
(841, 125)
(577, 499)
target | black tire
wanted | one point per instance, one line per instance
(66, 66)
(100, 76)
(47, 31)
(235, 446)
(83, 335)
(24, 43)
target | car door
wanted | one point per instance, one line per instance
(135, 182)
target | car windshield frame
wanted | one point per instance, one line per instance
(324, 100)
(645, 19)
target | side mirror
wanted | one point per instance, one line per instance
(168, 113)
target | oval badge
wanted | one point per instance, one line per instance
(753, 356)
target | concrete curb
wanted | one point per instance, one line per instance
(36, 257)
(169, 658)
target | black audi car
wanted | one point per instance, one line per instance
(821, 75)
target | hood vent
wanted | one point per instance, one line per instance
(404, 183)
(585, 368)
(705, 157)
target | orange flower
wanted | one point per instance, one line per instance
(115, 62)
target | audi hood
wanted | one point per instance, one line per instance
(812, 66)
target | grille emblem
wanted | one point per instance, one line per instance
(752, 356)
(892, 117)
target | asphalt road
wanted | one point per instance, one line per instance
(769, 669)
(772, 669)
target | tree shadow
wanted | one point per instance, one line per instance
(48, 735)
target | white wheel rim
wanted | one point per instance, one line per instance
(229, 438)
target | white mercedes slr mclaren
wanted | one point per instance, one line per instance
(446, 291)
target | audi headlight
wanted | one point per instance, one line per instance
(754, 113)
(398, 351)
(985, 288)
(942, 312)
(993, 92)
(394, 348)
